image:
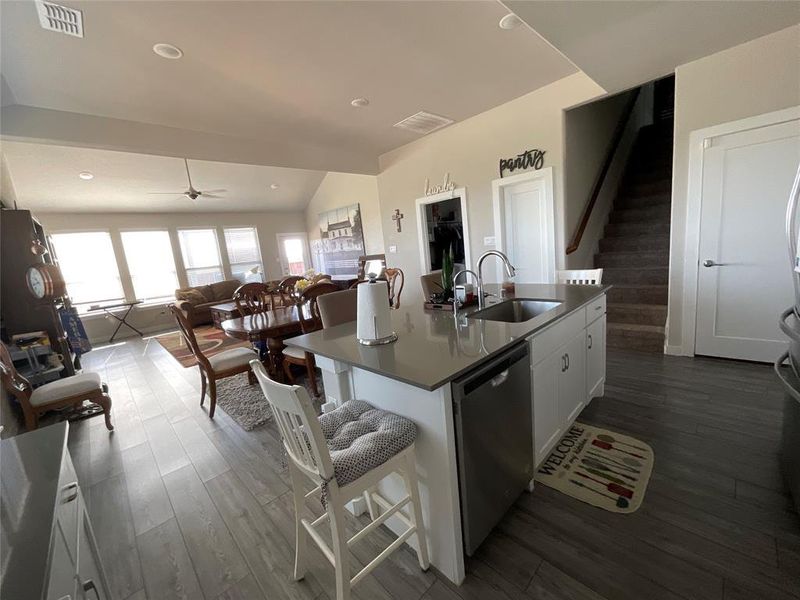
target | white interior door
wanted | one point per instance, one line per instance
(293, 252)
(526, 228)
(743, 280)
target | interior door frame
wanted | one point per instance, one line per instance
(306, 249)
(422, 229)
(554, 242)
(694, 201)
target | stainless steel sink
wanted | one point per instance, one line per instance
(517, 310)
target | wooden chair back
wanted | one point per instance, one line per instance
(252, 298)
(338, 307)
(287, 291)
(396, 280)
(308, 308)
(187, 332)
(371, 262)
(580, 277)
(298, 425)
(14, 383)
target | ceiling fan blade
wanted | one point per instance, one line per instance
(213, 191)
(166, 193)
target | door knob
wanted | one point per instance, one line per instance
(710, 263)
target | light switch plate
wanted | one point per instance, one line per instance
(489, 241)
(392, 249)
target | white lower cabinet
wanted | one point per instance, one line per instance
(569, 369)
(546, 420)
(572, 383)
(596, 357)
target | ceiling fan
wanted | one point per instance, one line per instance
(192, 193)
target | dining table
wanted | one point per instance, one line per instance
(267, 330)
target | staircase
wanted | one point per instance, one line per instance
(634, 253)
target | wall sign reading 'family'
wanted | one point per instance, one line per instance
(445, 186)
(529, 159)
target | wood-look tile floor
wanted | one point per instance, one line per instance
(187, 507)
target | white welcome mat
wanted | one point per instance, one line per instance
(599, 467)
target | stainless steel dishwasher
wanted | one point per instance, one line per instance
(494, 441)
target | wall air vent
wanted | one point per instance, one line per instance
(424, 122)
(61, 19)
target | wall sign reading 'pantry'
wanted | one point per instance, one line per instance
(533, 158)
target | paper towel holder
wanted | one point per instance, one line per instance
(392, 337)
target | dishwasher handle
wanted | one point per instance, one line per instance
(496, 372)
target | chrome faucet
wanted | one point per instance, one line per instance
(510, 271)
(456, 301)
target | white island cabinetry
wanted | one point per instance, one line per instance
(568, 369)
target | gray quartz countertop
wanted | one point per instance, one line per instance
(434, 347)
(31, 465)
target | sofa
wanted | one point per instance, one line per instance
(195, 302)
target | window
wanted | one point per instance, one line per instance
(151, 264)
(200, 256)
(243, 254)
(89, 266)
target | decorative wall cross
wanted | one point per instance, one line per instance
(397, 217)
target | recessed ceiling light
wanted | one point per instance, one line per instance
(168, 51)
(85, 175)
(510, 21)
(359, 102)
(274, 186)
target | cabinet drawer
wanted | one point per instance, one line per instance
(548, 341)
(595, 309)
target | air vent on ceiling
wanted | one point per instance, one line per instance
(424, 122)
(62, 19)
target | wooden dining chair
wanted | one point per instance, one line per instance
(68, 391)
(396, 280)
(252, 298)
(213, 368)
(287, 291)
(310, 321)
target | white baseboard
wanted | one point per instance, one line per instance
(672, 350)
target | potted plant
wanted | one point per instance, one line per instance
(448, 256)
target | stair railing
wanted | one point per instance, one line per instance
(619, 131)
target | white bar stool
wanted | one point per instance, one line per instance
(368, 444)
(580, 277)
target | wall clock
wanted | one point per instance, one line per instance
(45, 282)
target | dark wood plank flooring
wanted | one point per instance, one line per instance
(187, 507)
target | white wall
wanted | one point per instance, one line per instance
(758, 77)
(343, 189)
(157, 318)
(470, 152)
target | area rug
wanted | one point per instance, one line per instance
(599, 467)
(211, 340)
(246, 404)
(243, 402)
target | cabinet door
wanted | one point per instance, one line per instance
(91, 581)
(572, 383)
(546, 420)
(595, 357)
(62, 568)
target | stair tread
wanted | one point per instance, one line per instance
(653, 268)
(635, 327)
(647, 286)
(631, 252)
(637, 306)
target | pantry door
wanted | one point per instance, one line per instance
(525, 225)
(744, 280)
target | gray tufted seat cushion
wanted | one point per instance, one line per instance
(360, 437)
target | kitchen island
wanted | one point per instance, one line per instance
(413, 376)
